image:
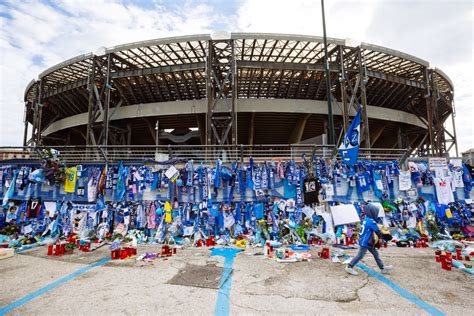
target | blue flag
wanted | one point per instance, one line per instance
(349, 149)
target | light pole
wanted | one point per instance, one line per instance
(331, 136)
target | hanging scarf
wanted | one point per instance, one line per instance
(280, 170)
(291, 172)
(190, 170)
(238, 212)
(271, 177)
(1, 179)
(22, 178)
(259, 193)
(142, 178)
(235, 175)
(242, 181)
(121, 185)
(131, 188)
(388, 174)
(204, 184)
(11, 190)
(467, 178)
(317, 170)
(149, 178)
(156, 180)
(264, 175)
(109, 181)
(324, 168)
(248, 214)
(249, 175)
(377, 184)
(258, 179)
(299, 193)
(217, 174)
(101, 181)
(93, 184)
(208, 187)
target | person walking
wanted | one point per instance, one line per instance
(368, 235)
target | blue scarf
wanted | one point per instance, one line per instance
(121, 185)
(271, 178)
(466, 178)
(190, 170)
(242, 182)
(264, 175)
(217, 174)
(250, 175)
(299, 193)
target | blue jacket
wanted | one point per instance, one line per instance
(369, 226)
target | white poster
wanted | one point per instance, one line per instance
(50, 207)
(344, 214)
(404, 180)
(437, 162)
(172, 173)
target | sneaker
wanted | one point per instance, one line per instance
(351, 270)
(387, 269)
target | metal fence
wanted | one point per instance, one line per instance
(227, 153)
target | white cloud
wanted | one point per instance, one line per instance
(35, 28)
(304, 17)
(437, 31)
(463, 96)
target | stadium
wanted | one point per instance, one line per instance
(240, 88)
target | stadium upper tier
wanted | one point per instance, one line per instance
(279, 84)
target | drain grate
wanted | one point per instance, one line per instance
(207, 276)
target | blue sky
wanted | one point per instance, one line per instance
(35, 35)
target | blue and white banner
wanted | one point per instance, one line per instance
(349, 149)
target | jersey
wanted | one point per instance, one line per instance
(457, 180)
(33, 208)
(444, 192)
(311, 191)
(71, 178)
(363, 184)
(369, 226)
(168, 215)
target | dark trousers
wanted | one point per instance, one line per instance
(361, 254)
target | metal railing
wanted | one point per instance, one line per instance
(176, 153)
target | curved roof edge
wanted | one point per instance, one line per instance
(65, 63)
(159, 41)
(394, 52)
(445, 76)
(28, 87)
(287, 37)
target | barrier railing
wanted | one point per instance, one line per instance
(209, 153)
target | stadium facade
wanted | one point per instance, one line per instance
(244, 88)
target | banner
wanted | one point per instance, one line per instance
(349, 149)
